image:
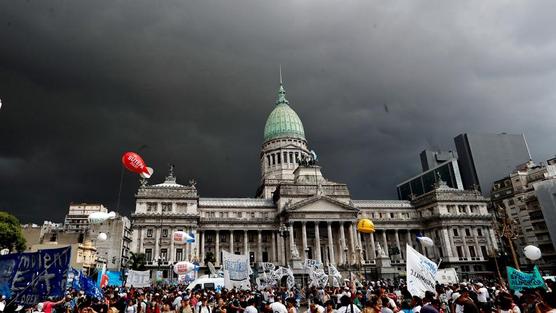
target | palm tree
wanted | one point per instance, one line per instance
(137, 261)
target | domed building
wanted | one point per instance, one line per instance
(299, 214)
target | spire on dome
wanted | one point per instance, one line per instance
(281, 91)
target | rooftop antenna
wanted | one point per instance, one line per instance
(280, 74)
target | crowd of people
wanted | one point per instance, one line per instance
(372, 297)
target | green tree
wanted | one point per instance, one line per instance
(11, 236)
(137, 261)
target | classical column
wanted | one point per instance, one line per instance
(359, 240)
(385, 241)
(260, 246)
(409, 238)
(331, 244)
(447, 242)
(217, 247)
(292, 239)
(171, 252)
(281, 250)
(352, 244)
(398, 243)
(232, 242)
(142, 242)
(304, 239)
(157, 242)
(342, 244)
(273, 247)
(202, 247)
(245, 242)
(453, 246)
(373, 248)
(317, 242)
(464, 239)
(478, 252)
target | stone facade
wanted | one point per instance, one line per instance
(300, 214)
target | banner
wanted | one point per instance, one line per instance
(8, 268)
(30, 277)
(138, 279)
(447, 276)
(114, 278)
(421, 273)
(89, 286)
(519, 280)
(236, 270)
(336, 276)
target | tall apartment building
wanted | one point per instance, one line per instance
(114, 250)
(526, 196)
(77, 218)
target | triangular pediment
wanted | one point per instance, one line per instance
(321, 204)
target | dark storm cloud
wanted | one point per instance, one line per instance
(374, 83)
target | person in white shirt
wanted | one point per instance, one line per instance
(251, 306)
(347, 306)
(482, 295)
(276, 307)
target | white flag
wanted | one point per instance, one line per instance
(236, 270)
(421, 273)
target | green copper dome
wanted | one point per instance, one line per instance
(283, 121)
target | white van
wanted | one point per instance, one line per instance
(206, 282)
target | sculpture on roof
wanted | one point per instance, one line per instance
(309, 159)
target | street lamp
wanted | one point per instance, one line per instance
(347, 263)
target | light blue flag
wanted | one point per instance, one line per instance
(519, 280)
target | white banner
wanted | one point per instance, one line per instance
(138, 279)
(336, 276)
(236, 270)
(420, 273)
(447, 276)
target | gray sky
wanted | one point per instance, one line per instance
(83, 81)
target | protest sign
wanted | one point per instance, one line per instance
(447, 276)
(520, 280)
(420, 273)
(236, 270)
(138, 279)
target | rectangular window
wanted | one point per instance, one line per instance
(461, 208)
(291, 157)
(479, 232)
(472, 251)
(296, 157)
(391, 215)
(222, 238)
(151, 207)
(164, 254)
(148, 255)
(459, 251)
(279, 157)
(273, 159)
(164, 233)
(252, 214)
(166, 207)
(467, 232)
(179, 254)
(268, 160)
(456, 232)
(149, 233)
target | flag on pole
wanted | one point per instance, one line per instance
(421, 273)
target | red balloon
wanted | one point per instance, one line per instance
(134, 163)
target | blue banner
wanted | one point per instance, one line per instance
(519, 280)
(46, 270)
(114, 279)
(8, 268)
(30, 277)
(90, 287)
